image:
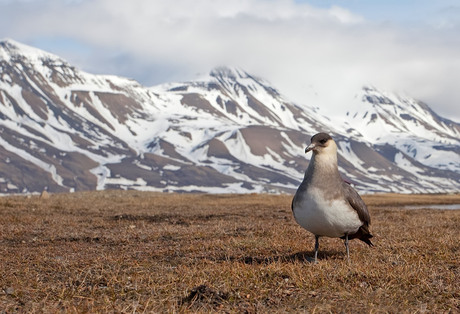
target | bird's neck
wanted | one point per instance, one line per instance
(323, 165)
(326, 159)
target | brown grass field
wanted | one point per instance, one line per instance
(133, 252)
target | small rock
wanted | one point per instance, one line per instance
(363, 284)
(9, 290)
(313, 294)
(45, 195)
(204, 294)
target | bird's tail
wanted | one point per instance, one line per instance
(363, 234)
(365, 238)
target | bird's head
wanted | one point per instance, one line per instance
(322, 143)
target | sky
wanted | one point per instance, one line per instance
(308, 50)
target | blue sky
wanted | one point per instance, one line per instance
(324, 47)
(400, 11)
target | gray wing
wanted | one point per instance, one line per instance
(356, 202)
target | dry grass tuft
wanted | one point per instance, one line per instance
(132, 251)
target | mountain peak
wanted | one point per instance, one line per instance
(10, 48)
(13, 47)
(233, 73)
(237, 75)
(10, 43)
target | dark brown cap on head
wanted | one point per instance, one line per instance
(321, 138)
(317, 141)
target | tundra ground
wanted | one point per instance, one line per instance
(116, 251)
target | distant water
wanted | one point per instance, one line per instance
(435, 206)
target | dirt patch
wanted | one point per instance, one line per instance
(171, 219)
(204, 295)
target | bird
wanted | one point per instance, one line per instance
(325, 204)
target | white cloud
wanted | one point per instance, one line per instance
(298, 47)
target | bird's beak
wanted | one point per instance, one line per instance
(309, 148)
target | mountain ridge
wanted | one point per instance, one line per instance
(63, 129)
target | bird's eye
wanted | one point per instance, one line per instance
(323, 141)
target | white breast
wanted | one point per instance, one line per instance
(322, 217)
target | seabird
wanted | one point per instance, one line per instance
(324, 203)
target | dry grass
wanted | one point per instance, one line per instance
(146, 252)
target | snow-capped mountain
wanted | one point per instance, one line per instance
(62, 129)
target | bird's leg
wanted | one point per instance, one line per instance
(346, 246)
(316, 247)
